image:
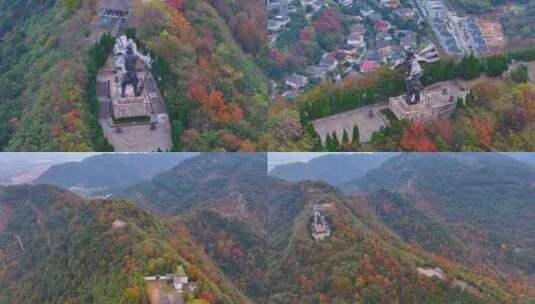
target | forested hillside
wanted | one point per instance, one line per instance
(245, 237)
(42, 77)
(216, 95)
(520, 23)
(257, 230)
(58, 248)
(205, 62)
(473, 208)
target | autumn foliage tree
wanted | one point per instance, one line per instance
(214, 104)
(524, 97)
(442, 127)
(484, 128)
(328, 28)
(514, 120)
(247, 21)
(246, 32)
(415, 139)
(176, 4)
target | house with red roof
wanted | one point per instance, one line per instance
(368, 66)
(382, 25)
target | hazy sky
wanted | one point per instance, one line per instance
(41, 158)
(28, 159)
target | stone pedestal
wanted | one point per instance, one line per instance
(436, 101)
(130, 106)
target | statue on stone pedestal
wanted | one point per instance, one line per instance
(414, 71)
(126, 57)
(130, 72)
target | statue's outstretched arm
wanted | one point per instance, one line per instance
(428, 54)
(397, 64)
(427, 59)
(145, 58)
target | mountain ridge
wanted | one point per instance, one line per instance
(481, 202)
(331, 168)
(110, 170)
(265, 245)
(88, 258)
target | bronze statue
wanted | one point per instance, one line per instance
(126, 61)
(414, 72)
(130, 75)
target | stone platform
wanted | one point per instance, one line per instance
(438, 100)
(130, 106)
(151, 133)
(366, 123)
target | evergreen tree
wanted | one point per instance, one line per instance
(345, 138)
(332, 143)
(335, 139)
(356, 135)
(177, 133)
(520, 74)
(328, 142)
(496, 65)
(469, 67)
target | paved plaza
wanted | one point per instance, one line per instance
(366, 123)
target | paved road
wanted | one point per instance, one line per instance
(347, 120)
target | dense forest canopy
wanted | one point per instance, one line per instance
(256, 228)
(246, 237)
(65, 249)
(205, 60)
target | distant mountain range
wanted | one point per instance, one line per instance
(419, 228)
(332, 168)
(256, 228)
(109, 171)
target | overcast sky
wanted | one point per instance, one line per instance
(41, 157)
(274, 158)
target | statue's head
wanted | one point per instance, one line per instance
(129, 50)
(409, 51)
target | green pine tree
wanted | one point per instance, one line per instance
(335, 139)
(356, 135)
(469, 67)
(520, 74)
(496, 65)
(345, 138)
(328, 142)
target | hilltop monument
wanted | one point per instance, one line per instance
(423, 103)
(128, 101)
(132, 110)
(127, 57)
(414, 71)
